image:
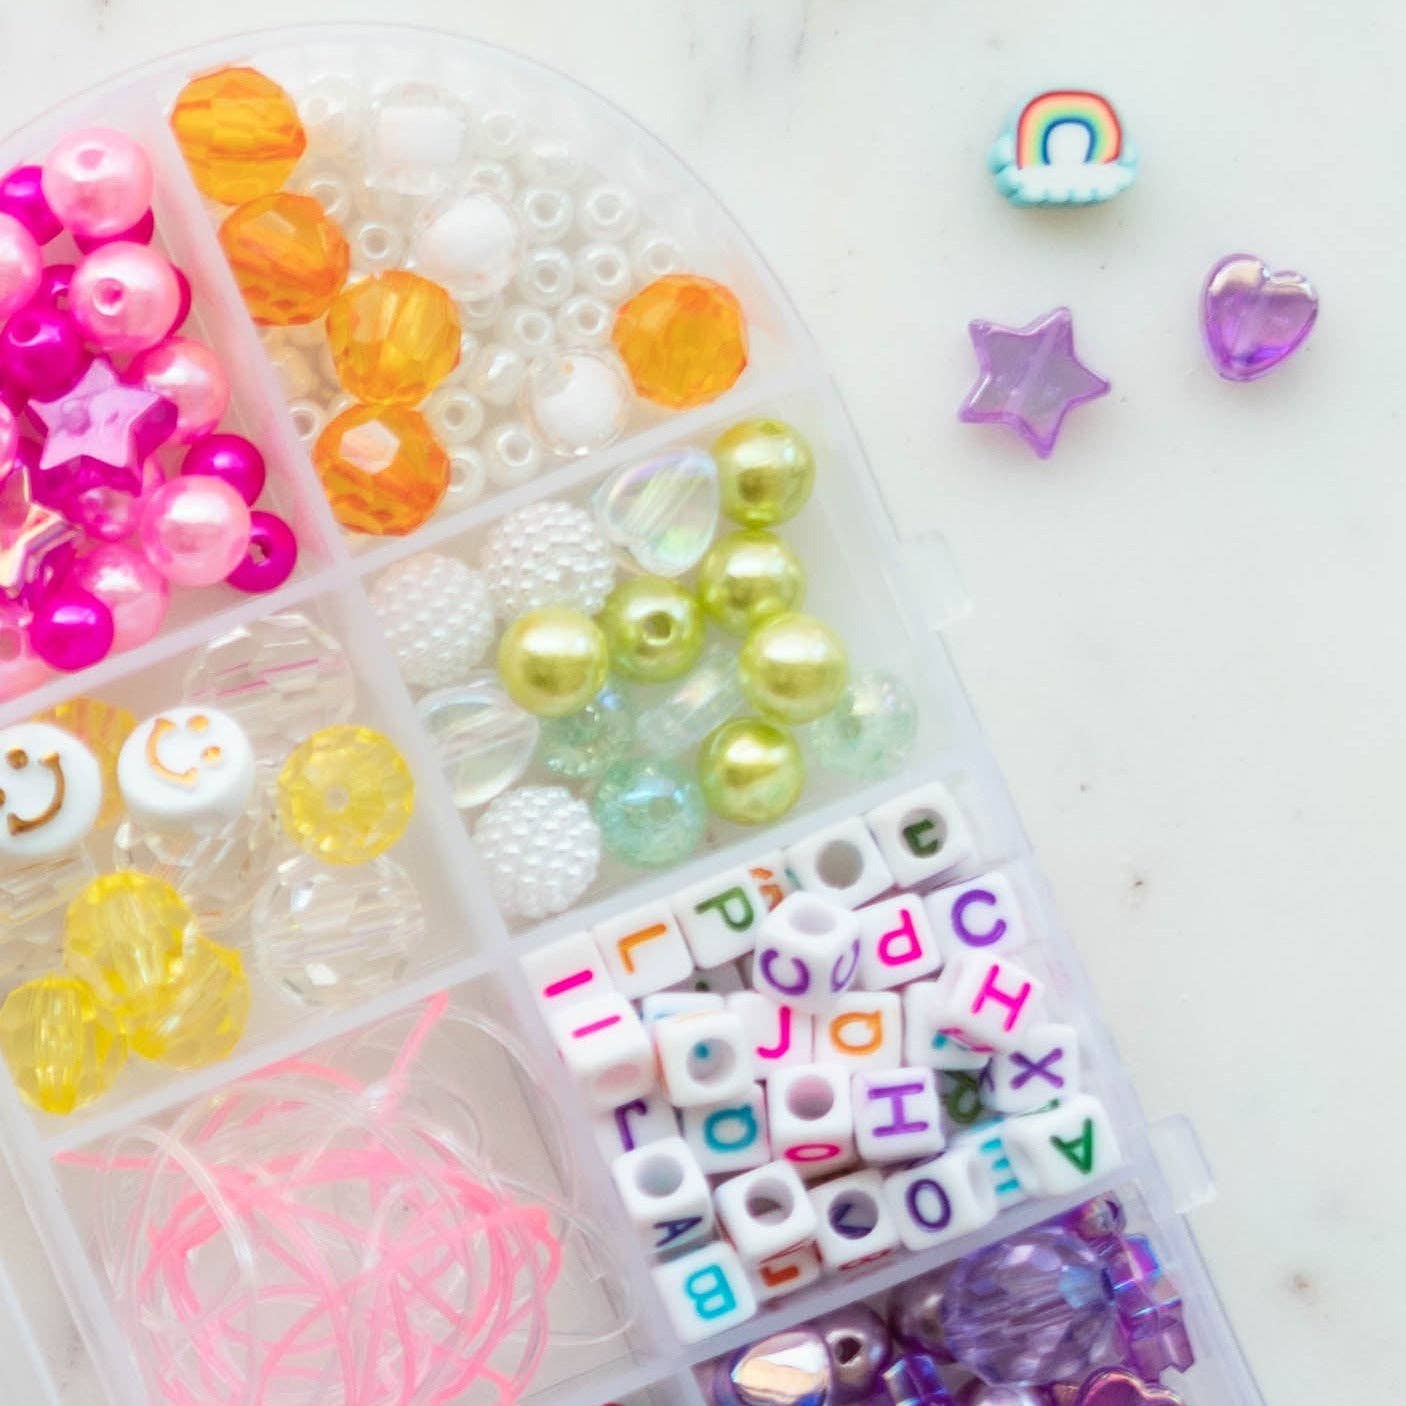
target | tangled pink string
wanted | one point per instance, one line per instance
(302, 1237)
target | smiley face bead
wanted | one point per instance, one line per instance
(51, 789)
(188, 768)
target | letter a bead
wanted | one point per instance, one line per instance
(666, 1195)
(1063, 1148)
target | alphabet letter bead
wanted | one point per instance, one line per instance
(784, 1274)
(771, 877)
(720, 918)
(606, 1047)
(644, 950)
(896, 1115)
(566, 972)
(634, 1124)
(722, 980)
(779, 1035)
(921, 835)
(842, 864)
(807, 953)
(729, 1137)
(896, 943)
(939, 1200)
(703, 1059)
(987, 1141)
(981, 915)
(666, 1195)
(662, 1004)
(989, 1002)
(924, 1039)
(189, 768)
(854, 1221)
(864, 1030)
(766, 1213)
(705, 1292)
(1044, 1067)
(812, 1119)
(1061, 1149)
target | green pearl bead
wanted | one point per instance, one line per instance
(650, 813)
(765, 472)
(552, 661)
(751, 771)
(793, 668)
(583, 745)
(871, 730)
(653, 628)
(746, 577)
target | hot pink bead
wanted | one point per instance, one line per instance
(195, 530)
(124, 297)
(134, 591)
(53, 285)
(71, 629)
(189, 375)
(183, 307)
(9, 439)
(21, 266)
(139, 233)
(98, 181)
(272, 555)
(20, 667)
(230, 457)
(22, 195)
(42, 351)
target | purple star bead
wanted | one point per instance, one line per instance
(1029, 378)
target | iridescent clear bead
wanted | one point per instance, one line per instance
(437, 616)
(541, 849)
(582, 745)
(662, 513)
(483, 739)
(706, 699)
(651, 813)
(870, 731)
(32, 895)
(548, 553)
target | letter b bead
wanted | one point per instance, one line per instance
(807, 953)
(705, 1292)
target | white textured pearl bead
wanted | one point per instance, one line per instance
(497, 373)
(471, 244)
(655, 254)
(327, 185)
(548, 553)
(540, 848)
(604, 269)
(499, 132)
(608, 212)
(546, 214)
(513, 456)
(584, 321)
(546, 277)
(528, 329)
(437, 616)
(455, 415)
(480, 314)
(308, 418)
(577, 402)
(468, 474)
(376, 245)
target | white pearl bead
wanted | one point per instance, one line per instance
(546, 277)
(333, 114)
(308, 419)
(547, 160)
(471, 244)
(576, 402)
(468, 474)
(584, 321)
(376, 245)
(494, 177)
(528, 329)
(188, 768)
(455, 415)
(329, 187)
(546, 214)
(513, 456)
(499, 132)
(608, 212)
(655, 254)
(480, 314)
(603, 269)
(497, 373)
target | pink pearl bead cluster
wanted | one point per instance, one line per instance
(114, 484)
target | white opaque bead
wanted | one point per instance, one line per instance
(188, 768)
(720, 917)
(896, 943)
(862, 1030)
(704, 1292)
(513, 456)
(897, 1117)
(566, 972)
(922, 835)
(637, 1123)
(785, 1273)
(480, 314)
(584, 321)
(841, 863)
(497, 374)
(499, 132)
(492, 176)
(528, 329)
(329, 186)
(703, 1058)
(854, 1222)
(604, 270)
(468, 474)
(546, 277)
(576, 402)
(643, 950)
(417, 138)
(925, 1040)
(942, 1199)
(546, 214)
(811, 1114)
(807, 953)
(766, 1212)
(1044, 1066)
(456, 415)
(660, 1005)
(51, 790)
(665, 1194)
(654, 254)
(1062, 1149)
(549, 161)
(608, 212)
(376, 245)
(332, 110)
(606, 1048)
(989, 1002)
(983, 914)
(471, 243)
(731, 1136)
(779, 1036)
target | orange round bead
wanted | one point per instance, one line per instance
(239, 133)
(287, 256)
(382, 469)
(393, 337)
(683, 340)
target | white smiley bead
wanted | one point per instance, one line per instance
(51, 789)
(188, 768)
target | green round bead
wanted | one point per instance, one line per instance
(751, 771)
(582, 745)
(870, 731)
(650, 813)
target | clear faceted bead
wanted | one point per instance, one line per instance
(541, 849)
(582, 745)
(870, 731)
(663, 512)
(706, 699)
(437, 616)
(484, 740)
(547, 554)
(32, 895)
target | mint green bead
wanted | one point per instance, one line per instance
(582, 745)
(870, 731)
(650, 813)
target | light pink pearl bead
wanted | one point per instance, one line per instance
(98, 182)
(134, 591)
(20, 667)
(124, 297)
(21, 266)
(195, 530)
(9, 439)
(190, 376)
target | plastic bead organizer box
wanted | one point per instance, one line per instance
(558, 806)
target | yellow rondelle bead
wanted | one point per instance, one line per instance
(62, 1047)
(103, 728)
(289, 259)
(203, 1012)
(345, 794)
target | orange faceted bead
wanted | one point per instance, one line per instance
(382, 469)
(683, 340)
(393, 337)
(239, 133)
(287, 256)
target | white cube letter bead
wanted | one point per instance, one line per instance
(635, 1124)
(666, 1195)
(644, 950)
(779, 1035)
(607, 1048)
(1045, 1066)
(705, 1292)
(924, 1039)
(662, 1004)
(729, 1137)
(188, 768)
(987, 1141)
(863, 1030)
(922, 835)
(811, 1117)
(566, 971)
(989, 1002)
(896, 1115)
(842, 864)
(942, 1199)
(896, 943)
(1061, 1149)
(784, 1274)
(855, 1225)
(771, 877)
(51, 789)
(807, 953)
(982, 915)
(720, 918)
(703, 1059)
(721, 980)
(766, 1212)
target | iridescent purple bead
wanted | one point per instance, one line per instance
(914, 1381)
(915, 1313)
(786, 1369)
(860, 1347)
(979, 1393)
(22, 195)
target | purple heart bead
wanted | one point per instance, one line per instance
(1253, 318)
(1116, 1386)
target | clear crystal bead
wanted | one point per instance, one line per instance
(484, 740)
(663, 512)
(706, 699)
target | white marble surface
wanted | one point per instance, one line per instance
(1187, 645)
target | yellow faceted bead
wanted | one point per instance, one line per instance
(765, 472)
(553, 661)
(203, 1012)
(393, 337)
(62, 1047)
(345, 794)
(382, 469)
(289, 259)
(746, 577)
(103, 727)
(750, 771)
(793, 668)
(239, 133)
(125, 936)
(682, 339)
(653, 628)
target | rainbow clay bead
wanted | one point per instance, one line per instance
(62, 1047)
(793, 668)
(747, 577)
(203, 1012)
(289, 259)
(751, 771)
(393, 337)
(654, 629)
(765, 471)
(553, 661)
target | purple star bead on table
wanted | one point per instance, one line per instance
(1030, 378)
